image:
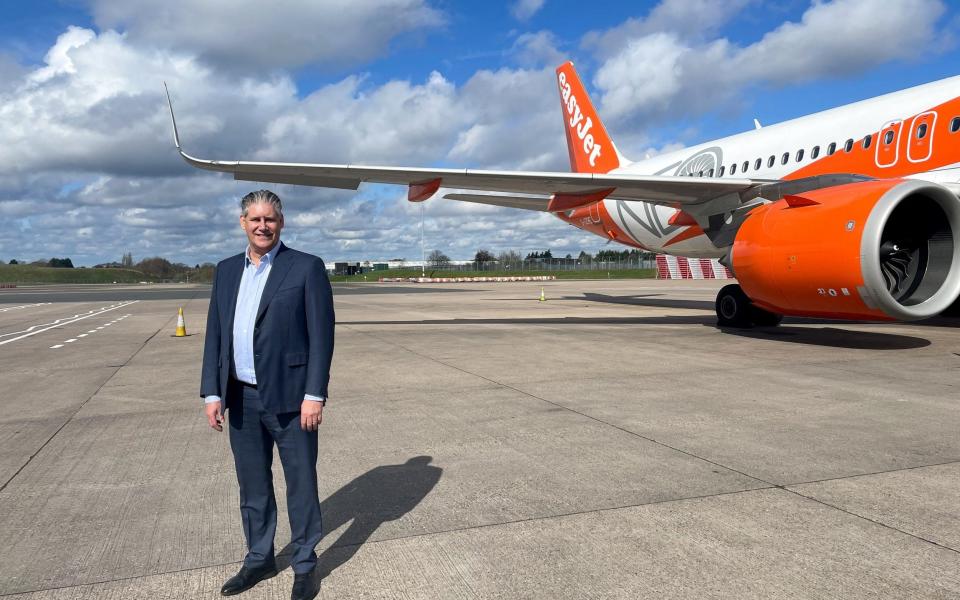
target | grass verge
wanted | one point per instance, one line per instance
(27, 274)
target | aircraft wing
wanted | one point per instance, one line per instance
(536, 189)
(657, 189)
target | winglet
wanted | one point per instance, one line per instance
(200, 163)
(176, 136)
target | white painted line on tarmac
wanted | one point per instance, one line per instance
(57, 346)
(83, 335)
(22, 306)
(61, 322)
(76, 317)
(70, 340)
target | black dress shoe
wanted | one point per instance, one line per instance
(246, 578)
(305, 586)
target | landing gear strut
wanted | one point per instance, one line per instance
(734, 309)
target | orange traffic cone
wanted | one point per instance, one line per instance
(181, 327)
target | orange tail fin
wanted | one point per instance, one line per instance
(591, 149)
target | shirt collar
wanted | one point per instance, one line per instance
(267, 258)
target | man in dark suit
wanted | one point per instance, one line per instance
(266, 361)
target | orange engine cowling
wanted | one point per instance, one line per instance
(878, 250)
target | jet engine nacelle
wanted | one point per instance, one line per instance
(877, 250)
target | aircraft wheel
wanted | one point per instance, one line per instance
(734, 309)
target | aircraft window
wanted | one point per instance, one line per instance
(785, 158)
(888, 137)
(771, 160)
(746, 165)
(757, 164)
(799, 155)
(815, 152)
(922, 131)
(848, 146)
(710, 172)
(831, 148)
(868, 139)
(955, 125)
(733, 168)
(721, 171)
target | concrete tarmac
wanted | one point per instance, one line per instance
(611, 442)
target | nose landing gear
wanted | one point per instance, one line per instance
(734, 309)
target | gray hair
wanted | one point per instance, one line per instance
(261, 197)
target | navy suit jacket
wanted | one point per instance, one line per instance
(292, 336)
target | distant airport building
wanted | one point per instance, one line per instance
(366, 266)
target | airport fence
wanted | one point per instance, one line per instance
(548, 264)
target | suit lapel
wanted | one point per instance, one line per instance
(232, 278)
(281, 265)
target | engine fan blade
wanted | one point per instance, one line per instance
(895, 265)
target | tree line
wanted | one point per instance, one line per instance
(155, 267)
(437, 258)
(161, 268)
(57, 263)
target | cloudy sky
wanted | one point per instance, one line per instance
(88, 169)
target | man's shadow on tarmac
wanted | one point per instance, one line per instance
(381, 494)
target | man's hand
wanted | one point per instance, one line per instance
(214, 416)
(311, 415)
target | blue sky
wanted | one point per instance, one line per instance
(90, 171)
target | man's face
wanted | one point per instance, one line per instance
(262, 225)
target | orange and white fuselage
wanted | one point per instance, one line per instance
(914, 133)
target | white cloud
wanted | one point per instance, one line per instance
(842, 37)
(244, 35)
(522, 10)
(649, 76)
(515, 121)
(89, 155)
(538, 49)
(686, 19)
(351, 122)
(91, 109)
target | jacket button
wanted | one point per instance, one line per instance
(256, 356)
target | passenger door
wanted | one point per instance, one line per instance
(920, 144)
(888, 144)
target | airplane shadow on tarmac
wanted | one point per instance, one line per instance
(833, 337)
(382, 494)
(654, 300)
(827, 336)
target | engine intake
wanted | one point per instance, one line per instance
(878, 250)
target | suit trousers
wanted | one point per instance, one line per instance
(253, 434)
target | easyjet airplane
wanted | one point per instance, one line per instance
(850, 213)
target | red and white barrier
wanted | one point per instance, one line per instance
(679, 267)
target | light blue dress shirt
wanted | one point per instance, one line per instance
(252, 282)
